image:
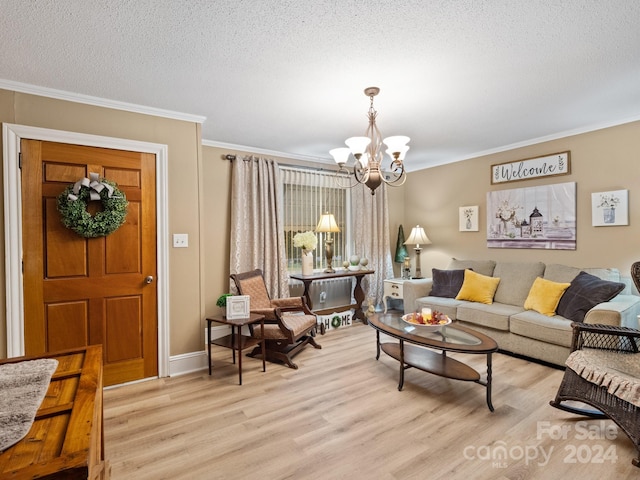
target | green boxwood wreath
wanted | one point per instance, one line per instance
(75, 216)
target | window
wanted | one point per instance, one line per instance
(307, 195)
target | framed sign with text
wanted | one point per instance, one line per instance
(547, 166)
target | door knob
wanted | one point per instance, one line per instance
(149, 279)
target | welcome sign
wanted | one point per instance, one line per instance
(547, 166)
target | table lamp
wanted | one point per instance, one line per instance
(328, 225)
(417, 238)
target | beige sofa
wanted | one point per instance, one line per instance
(520, 331)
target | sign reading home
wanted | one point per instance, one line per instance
(547, 166)
(336, 320)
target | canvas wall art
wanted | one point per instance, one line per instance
(468, 219)
(609, 209)
(534, 217)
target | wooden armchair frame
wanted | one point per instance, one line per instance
(289, 323)
(573, 387)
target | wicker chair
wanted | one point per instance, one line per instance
(289, 323)
(601, 353)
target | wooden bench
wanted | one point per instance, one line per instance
(66, 439)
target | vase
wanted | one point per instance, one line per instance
(468, 224)
(609, 215)
(307, 263)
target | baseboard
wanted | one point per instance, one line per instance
(195, 361)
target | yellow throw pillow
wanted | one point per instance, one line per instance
(544, 296)
(478, 288)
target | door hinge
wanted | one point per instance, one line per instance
(20, 160)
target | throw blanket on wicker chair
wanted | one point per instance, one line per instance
(618, 372)
(23, 386)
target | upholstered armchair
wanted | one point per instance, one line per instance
(289, 323)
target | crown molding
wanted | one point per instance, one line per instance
(97, 101)
(263, 151)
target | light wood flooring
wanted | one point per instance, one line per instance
(340, 416)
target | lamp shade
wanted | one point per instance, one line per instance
(358, 145)
(327, 223)
(340, 155)
(417, 237)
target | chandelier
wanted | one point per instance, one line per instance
(368, 154)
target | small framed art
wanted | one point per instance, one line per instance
(609, 209)
(237, 307)
(468, 219)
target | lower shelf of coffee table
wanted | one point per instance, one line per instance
(431, 362)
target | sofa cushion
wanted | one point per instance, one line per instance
(564, 273)
(494, 316)
(446, 283)
(485, 267)
(544, 296)
(517, 278)
(555, 329)
(448, 306)
(478, 288)
(585, 292)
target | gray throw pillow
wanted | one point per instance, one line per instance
(585, 292)
(446, 283)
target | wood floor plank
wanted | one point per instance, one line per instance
(340, 416)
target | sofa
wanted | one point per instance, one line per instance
(524, 312)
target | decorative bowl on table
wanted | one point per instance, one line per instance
(431, 323)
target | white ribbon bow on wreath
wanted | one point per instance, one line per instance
(93, 184)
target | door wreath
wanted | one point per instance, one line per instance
(72, 205)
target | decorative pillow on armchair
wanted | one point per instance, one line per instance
(585, 292)
(446, 283)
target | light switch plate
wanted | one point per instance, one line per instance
(180, 240)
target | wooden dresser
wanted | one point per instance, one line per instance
(66, 440)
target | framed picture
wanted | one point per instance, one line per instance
(533, 217)
(237, 307)
(610, 209)
(468, 219)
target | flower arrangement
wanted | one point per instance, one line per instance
(507, 212)
(608, 201)
(468, 212)
(305, 240)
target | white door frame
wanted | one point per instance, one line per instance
(11, 136)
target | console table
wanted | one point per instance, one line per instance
(358, 293)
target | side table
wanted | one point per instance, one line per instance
(237, 341)
(393, 289)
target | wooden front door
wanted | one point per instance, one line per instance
(86, 291)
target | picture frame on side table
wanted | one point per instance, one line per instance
(610, 209)
(468, 219)
(237, 307)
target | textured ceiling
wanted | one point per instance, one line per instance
(460, 77)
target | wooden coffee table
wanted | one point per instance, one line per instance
(410, 351)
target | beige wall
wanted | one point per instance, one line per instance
(184, 164)
(199, 181)
(602, 160)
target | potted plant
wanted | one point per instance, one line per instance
(222, 300)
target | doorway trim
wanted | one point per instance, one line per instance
(12, 134)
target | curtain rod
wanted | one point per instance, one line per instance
(231, 157)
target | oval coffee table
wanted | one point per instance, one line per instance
(411, 351)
